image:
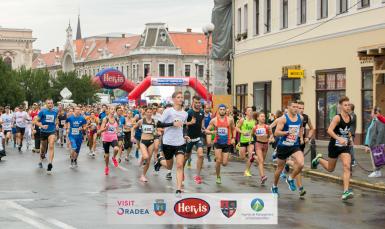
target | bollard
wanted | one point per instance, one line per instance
(313, 152)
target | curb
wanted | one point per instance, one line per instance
(314, 173)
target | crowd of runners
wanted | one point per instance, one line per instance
(161, 136)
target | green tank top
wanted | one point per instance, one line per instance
(248, 126)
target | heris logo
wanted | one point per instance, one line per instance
(228, 207)
(192, 208)
(257, 205)
(159, 207)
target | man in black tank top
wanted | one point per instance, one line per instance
(339, 146)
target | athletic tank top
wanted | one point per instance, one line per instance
(247, 126)
(128, 126)
(342, 130)
(110, 134)
(207, 119)
(148, 128)
(223, 132)
(292, 139)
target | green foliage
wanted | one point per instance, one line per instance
(11, 92)
(83, 90)
(29, 85)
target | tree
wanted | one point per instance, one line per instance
(83, 90)
(11, 92)
(35, 83)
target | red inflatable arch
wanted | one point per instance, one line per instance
(169, 81)
(111, 78)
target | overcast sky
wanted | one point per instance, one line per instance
(49, 18)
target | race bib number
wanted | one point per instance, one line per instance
(148, 129)
(338, 144)
(111, 129)
(75, 131)
(222, 131)
(63, 122)
(260, 132)
(50, 118)
(293, 135)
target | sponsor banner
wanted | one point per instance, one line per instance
(169, 81)
(200, 208)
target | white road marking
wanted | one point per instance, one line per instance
(30, 221)
(27, 211)
(123, 168)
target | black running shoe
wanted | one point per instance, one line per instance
(40, 165)
(168, 176)
(49, 168)
(178, 193)
(157, 165)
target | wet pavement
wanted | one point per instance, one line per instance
(76, 198)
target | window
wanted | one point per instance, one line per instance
(302, 11)
(291, 90)
(267, 16)
(241, 95)
(146, 70)
(239, 24)
(256, 17)
(342, 6)
(187, 70)
(134, 72)
(323, 9)
(330, 86)
(367, 98)
(171, 70)
(262, 96)
(162, 70)
(245, 18)
(364, 3)
(128, 72)
(284, 13)
(201, 71)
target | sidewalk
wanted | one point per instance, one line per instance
(359, 177)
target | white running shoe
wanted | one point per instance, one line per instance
(375, 174)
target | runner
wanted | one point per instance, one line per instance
(195, 125)
(245, 127)
(290, 128)
(122, 122)
(7, 118)
(224, 129)
(21, 118)
(127, 133)
(339, 144)
(92, 125)
(109, 131)
(174, 142)
(306, 122)
(35, 129)
(157, 115)
(147, 140)
(46, 120)
(208, 138)
(263, 135)
(75, 124)
(62, 117)
(2, 143)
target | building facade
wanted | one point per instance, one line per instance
(156, 52)
(337, 43)
(16, 47)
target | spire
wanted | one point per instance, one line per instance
(78, 31)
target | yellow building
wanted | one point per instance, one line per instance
(337, 44)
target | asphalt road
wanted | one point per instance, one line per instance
(76, 198)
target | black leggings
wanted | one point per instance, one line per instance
(106, 146)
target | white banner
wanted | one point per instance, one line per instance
(163, 81)
(202, 208)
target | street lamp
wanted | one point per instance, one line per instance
(196, 62)
(208, 30)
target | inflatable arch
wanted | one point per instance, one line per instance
(111, 78)
(169, 81)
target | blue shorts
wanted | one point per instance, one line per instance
(76, 143)
(195, 142)
(13, 130)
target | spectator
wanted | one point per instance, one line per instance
(375, 136)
